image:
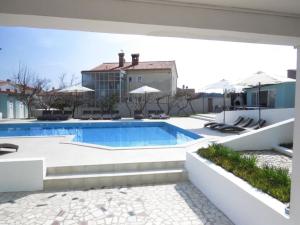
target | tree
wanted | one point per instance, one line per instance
(28, 86)
(63, 82)
(171, 101)
(109, 103)
(72, 100)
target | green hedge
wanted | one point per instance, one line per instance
(273, 181)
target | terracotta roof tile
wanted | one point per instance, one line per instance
(141, 66)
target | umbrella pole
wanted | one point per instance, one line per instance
(145, 102)
(76, 109)
(224, 107)
(259, 109)
(203, 104)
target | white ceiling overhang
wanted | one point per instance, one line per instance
(260, 21)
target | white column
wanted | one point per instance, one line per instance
(295, 192)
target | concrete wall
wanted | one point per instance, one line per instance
(295, 193)
(243, 204)
(159, 79)
(21, 174)
(198, 106)
(270, 115)
(264, 138)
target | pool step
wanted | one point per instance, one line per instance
(114, 179)
(111, 175)
(118, 167)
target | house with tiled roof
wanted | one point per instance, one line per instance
(119, 78)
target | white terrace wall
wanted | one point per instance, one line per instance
(21, 175)
(264, 138)
(270, 115)
(243, 204)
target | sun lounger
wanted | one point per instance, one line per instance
(232, 129)
(96, 115)
(116, 115)
(57, 115)
(85, 117)
(238, 129)
(9, 146)
(237, 122)
(245, 123)
(163, 115)
(138, 115)
(106, 115)
(260, 123)
(153, 114)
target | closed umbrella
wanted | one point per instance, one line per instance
(144, 90)
(222, 87)
(75, 89)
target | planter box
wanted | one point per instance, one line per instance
(238, 200)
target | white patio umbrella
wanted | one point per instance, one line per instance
(261, 78)
(222, 87)
(75, 89)
(144, 90)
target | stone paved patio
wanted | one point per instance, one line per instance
(178, 204)
(272, 158)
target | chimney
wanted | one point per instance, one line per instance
(121, 59)
(135, 59)
(291, 74)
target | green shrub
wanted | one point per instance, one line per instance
(273, 181)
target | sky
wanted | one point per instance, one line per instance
(50, 53)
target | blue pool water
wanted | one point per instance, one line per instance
(113, 134)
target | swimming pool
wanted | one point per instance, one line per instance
(111, 134)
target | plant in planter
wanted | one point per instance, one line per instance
(273, 181)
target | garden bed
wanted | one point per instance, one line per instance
(269, 179)
(271, 157)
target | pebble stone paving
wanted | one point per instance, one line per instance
(179, 204)
(271, 158)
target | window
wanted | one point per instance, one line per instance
(253, 99)
(129, 79)
(272, 96)
(267, 98)
(139, 79)
(263, 99)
